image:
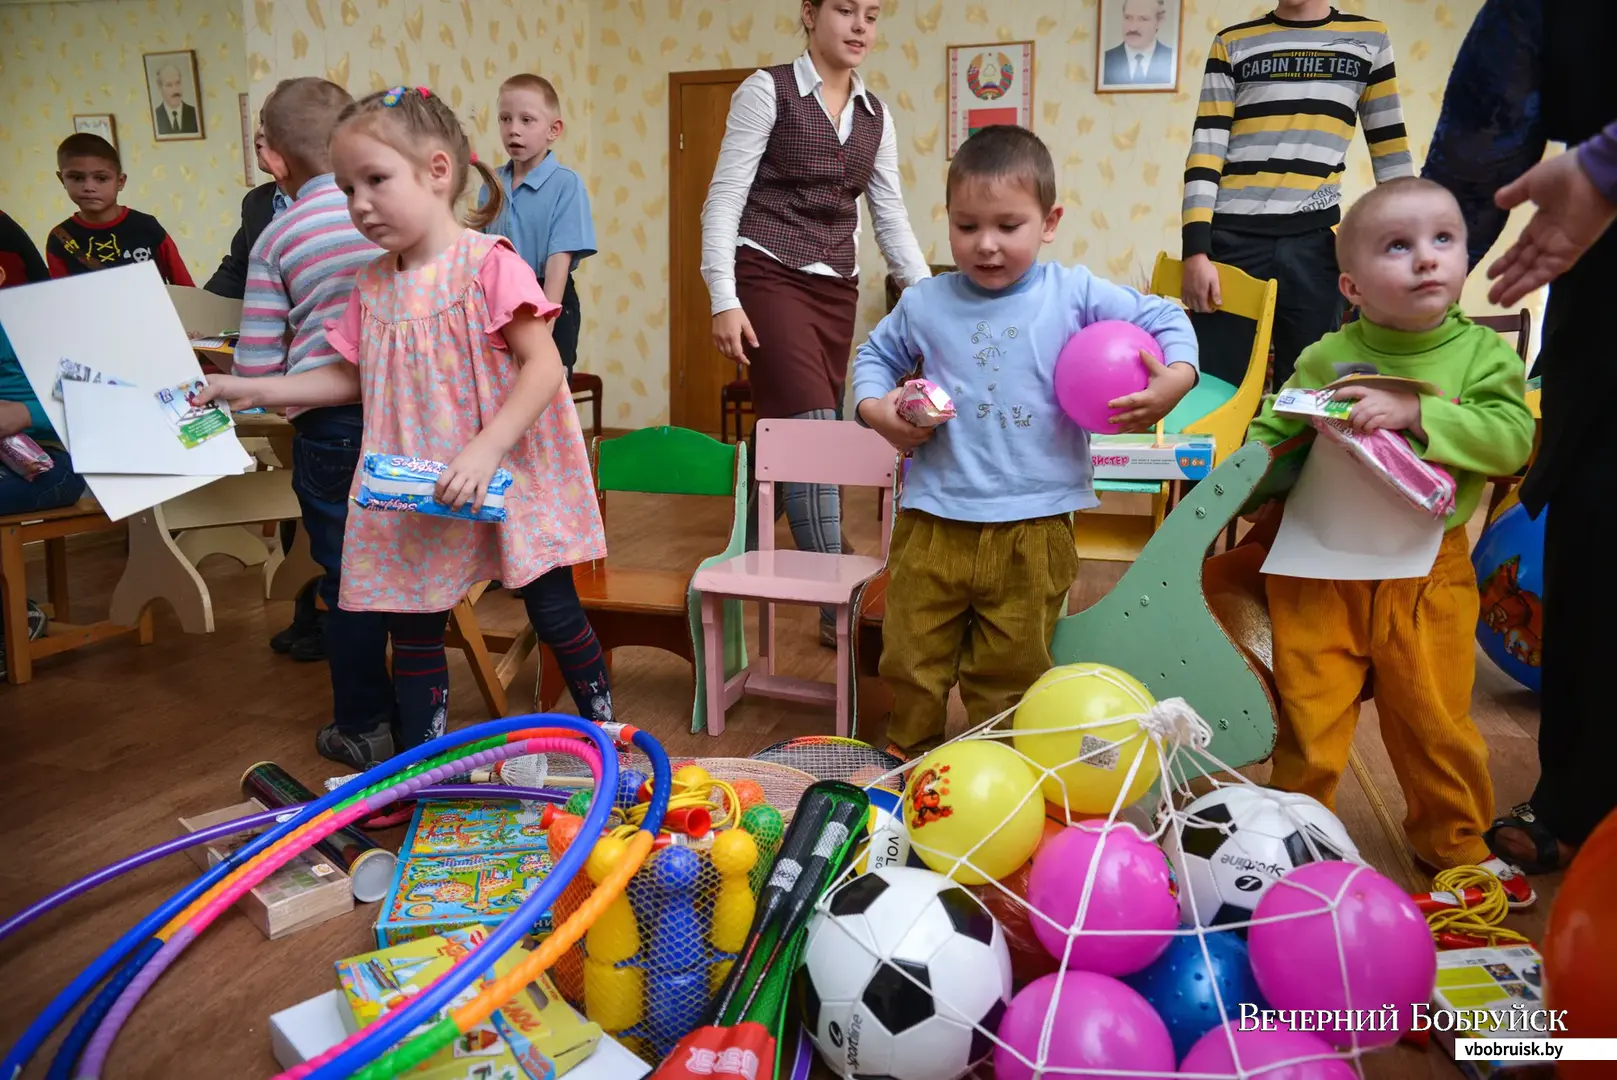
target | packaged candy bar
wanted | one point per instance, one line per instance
(405, 485)
(1429, 487)
(924, 403)
(23, 456)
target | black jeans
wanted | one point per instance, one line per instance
(1308, 305)
(568, 322)
(325, 453)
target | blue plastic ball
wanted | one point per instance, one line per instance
(1509, 561)
(1180, 987)
(630, 781)
(675, 869)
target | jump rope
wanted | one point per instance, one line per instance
(152, 945)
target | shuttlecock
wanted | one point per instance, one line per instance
(527, 771)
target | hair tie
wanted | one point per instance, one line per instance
(474, 157)
(423, 91)
(393, 96)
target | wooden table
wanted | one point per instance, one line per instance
(167, 541)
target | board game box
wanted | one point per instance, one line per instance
(461, 864)
(1491, 980)
(536, 1036)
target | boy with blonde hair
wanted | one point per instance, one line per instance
(547, 210)
(1402, 249)
(299, 278)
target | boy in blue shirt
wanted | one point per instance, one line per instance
(982, 554)
(547, 215)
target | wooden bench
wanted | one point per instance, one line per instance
(52, 528)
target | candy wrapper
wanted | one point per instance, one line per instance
(405, 485)
(23, 456)
(924, 403)
(1428, 487)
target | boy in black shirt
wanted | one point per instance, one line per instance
(102, 233)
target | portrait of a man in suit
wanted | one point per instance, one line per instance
(171, 79)
(1142, 59)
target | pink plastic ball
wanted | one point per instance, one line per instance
(1100, 1024)
(1134, 890)
(1100, 364)
(1257, 1049)
(1375, 936)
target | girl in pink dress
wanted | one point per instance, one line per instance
(448, 338)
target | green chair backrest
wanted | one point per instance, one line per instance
(1156, 625)
(665, 461)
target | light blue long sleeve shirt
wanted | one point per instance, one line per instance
(1011, 453)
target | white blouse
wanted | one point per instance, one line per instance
(746, 136)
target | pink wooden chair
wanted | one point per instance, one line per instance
(803, 452)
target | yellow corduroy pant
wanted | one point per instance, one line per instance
(1417, 636)
(973, 603)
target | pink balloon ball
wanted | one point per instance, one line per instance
(1100, 364)
(1257, 1049)
(1100, 1024)
(1134, 890)
(1389, 956)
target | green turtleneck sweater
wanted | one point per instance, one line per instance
(1480, 427)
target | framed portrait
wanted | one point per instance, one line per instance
(102, 124)
(1137, 46)
(174, 95)
(988, 85)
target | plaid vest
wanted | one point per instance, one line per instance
(803, 205)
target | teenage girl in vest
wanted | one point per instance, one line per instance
(446, 343)
(780, 234)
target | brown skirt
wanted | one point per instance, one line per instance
(804, 324)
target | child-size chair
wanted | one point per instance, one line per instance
(802, 452)
(1213, 407)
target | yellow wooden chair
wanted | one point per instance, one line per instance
(1213, 407)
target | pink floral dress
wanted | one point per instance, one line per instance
(433, 370)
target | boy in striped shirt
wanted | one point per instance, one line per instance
(299, 278)
(1263, 183)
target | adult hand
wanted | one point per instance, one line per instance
(13, 418)
(1200, 290)
(1141, 411)
(882, 416)
(732, 332)
(1571, 215)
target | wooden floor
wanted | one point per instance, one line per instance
(110, 745)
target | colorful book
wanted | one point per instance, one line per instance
(535, 1036)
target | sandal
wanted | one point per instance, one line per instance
(1546, 847)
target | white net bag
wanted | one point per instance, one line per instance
(1079, 887)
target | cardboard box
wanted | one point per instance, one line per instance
(310, 1028)
(211, 322)
(305, 892)
(1144, 457)
(463, 864)
(1491, 979)
(535, 1036)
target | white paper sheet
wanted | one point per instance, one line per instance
(120, 321)
(121, 431)
(1343, 523)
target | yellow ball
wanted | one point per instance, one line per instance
(1076, 696)
(734, 852)
(973, 796)
(691, 777)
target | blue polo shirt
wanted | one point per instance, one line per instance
(547, 213)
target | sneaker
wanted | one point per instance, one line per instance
(1518, 889)
(38, 623)
(357, 750)
(305, 620)
(311, 647)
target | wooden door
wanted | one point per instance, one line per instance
(698, 103)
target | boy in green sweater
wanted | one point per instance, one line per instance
(1402, 250)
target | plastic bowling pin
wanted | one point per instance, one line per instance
(676, 952)
(614, 995)
(735, 853)
(560, 834)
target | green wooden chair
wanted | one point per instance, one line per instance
(1156, 623)
(657, 608)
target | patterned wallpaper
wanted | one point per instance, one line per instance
(60, 59)
(1120, 156)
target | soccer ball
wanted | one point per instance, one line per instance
(868, 941)
(1240, 839)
